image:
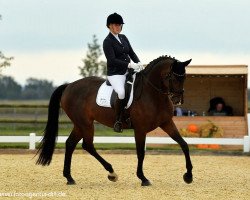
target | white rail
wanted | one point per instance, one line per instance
(32, 139)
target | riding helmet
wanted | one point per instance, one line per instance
(114, 19)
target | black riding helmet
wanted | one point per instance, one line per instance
(114, 19)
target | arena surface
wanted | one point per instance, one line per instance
(215, 177)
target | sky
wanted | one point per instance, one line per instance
(48, 38)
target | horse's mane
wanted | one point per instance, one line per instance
(157, 60)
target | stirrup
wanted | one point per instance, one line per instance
(118, 127)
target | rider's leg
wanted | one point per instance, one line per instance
(119, 108)
(118, 82)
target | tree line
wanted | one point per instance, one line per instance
(33, 89)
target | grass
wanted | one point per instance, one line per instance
(64, 130)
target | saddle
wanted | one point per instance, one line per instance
(106, 96)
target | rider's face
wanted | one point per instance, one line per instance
(115, 28)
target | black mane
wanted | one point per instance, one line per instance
(157, 60)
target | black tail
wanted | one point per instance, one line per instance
(47, 144)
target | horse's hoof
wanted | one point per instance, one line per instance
(188, 178)
(113, 177)
(146, 183)
(71, 182)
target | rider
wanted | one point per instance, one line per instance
(119, 54)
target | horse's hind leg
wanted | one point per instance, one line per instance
(173, 132)
(71, 143)
(89, 147)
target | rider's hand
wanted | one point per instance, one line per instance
(141, 66)
(135, 66)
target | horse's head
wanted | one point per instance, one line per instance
(174, 81)
(166, 75)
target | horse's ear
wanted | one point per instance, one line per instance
(186, 63)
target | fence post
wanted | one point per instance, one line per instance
(246, 145)
(32, 143)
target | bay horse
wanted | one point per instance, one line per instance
(157, 89)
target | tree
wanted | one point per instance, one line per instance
(37, 89)
(92, 66)
(9, 88)
(4, 61)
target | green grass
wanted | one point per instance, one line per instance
(64, 130)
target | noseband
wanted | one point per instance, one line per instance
(173, 92)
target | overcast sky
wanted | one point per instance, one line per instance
(48, 38)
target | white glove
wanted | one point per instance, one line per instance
(135, 66)
(141, 66)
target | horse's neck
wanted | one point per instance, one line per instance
(150, 77)
(154, 100)
(155, 74)
(152, 81)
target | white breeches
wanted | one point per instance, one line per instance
(118, 84)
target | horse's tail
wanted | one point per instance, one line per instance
(47, 145)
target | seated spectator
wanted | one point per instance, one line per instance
(178, 111)
(184, 112)
(219, 108)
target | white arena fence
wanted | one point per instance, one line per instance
(32, 139)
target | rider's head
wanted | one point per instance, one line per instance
(115, 23)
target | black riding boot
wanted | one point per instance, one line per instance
(119, 108)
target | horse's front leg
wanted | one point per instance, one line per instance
(173, 132)
(140, 149)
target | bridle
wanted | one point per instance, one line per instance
(171, 92)
(160, 90)
(176, 92)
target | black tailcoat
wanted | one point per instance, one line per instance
(118, 54)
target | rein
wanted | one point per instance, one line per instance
(153, 86)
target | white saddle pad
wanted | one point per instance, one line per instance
(104, 95)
